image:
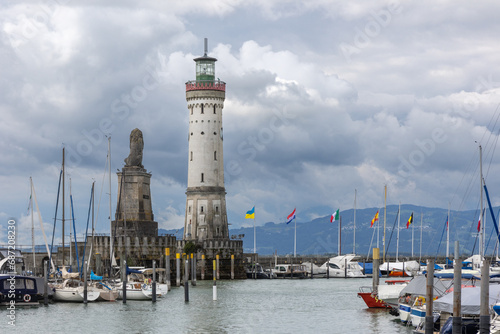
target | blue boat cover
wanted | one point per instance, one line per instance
(94, 277)
(132, 271)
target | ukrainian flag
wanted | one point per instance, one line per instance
(250, 214)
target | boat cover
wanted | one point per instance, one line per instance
(471, 300)
(66, 274)
(133, 271)
(94, 277)
(418, 286)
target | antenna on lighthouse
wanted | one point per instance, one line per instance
(206, 47)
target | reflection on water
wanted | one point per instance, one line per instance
(246, 306)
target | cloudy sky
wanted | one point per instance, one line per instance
(323, 97)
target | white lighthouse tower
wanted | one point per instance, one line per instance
(206, 216)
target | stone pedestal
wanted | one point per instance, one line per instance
(134, 217)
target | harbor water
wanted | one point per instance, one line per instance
(242, 306)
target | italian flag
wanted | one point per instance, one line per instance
(335, 216)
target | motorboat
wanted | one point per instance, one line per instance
(344, 266)
(371, 300)
(390, 291)
(19, 290)
(399, 269)
(386, 296)
(72, 290)
(257, 272)
(413, 296)
(417, 313)
(289, 271)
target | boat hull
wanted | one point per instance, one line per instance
(404, 312)
(417, 316)
(137, 294)
(371, 301)
(75, 295)
(108, 296)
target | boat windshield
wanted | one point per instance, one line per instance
(333, 266)
(21, 283)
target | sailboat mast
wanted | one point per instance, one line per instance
(385, 216)
(354, 241)
(481, 246)
(421, 227)
(70, 236)
(32, 227)
(110, 213)
(93, 228)
(448, 234)
(63, 177)
(397, 234)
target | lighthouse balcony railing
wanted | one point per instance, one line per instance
(206, 85)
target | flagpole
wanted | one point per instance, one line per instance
(385, 216)
(295, 240)
(397, 235)
(254, 236)
(340, 229)
(412, 234)
(354, 242)
(421, 226)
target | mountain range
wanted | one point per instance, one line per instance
(320, 237)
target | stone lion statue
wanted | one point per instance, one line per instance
(134, 159)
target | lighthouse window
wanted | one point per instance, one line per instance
(191, 157)
(202, 132)
(201, 208)
(189, 212)
(214, 109)
(191, 110)
(215, 133)
(202, 177)
(215, 155)
(202, 108)
(216, 209)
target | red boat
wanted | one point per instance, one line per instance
(371, 300)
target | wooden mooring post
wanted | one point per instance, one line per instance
(232, 266)
(218, 273)
(457, 293)
(375, 270)
(45, 284)
(153, 284)
(167, 267)
(85, 282)
(124, 281)
(214, 290)
(202, 266)
(484, 315)
(194, 260)
(178, 269)
(186, 279)
(429, 318)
